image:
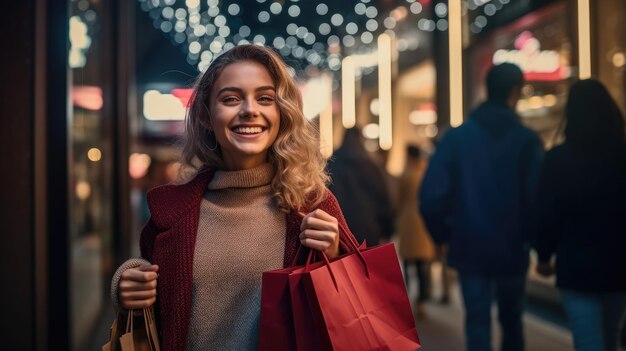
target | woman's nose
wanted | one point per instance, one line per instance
(249, 108)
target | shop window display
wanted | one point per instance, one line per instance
(90, 170)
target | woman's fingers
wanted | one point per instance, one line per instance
(319, 224)
(137, 304)
(321, 214)
(131, 285)
(133, 299)
(138, 295)
(137, 275)
(315, 244)
(147, 267)
(317, 239)
(317, 235)
(319, 231)
(319, 219)
(137, 287)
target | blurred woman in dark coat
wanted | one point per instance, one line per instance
(415, 245)
(361, 189)
(581, 211)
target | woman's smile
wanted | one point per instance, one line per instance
(248, 131)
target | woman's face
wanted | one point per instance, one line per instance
(244, 114)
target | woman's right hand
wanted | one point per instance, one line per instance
(137, 287)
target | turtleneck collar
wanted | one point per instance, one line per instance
(247, 178)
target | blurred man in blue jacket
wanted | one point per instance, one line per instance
(476, 198)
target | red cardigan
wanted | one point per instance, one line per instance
(169, 239)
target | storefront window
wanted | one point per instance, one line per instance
(90, 155)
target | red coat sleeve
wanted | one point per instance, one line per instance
(146, 241)
(331, 205)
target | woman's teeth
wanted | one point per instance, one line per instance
(248, 130)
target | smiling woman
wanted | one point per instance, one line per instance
(258, 193)
(300, 176)
(245, 117)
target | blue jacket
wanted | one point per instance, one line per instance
(478, 190)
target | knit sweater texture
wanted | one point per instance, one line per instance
(241, 234)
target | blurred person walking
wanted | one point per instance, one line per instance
(361, 189)
(258, 193)
(476, 197)
(415, 245)
(581, 208)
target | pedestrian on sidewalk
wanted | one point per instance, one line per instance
(361, 190)
(415, 245)
(257, 166)
(476, 198)
(581, 208)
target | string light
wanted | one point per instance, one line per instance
(201, 26)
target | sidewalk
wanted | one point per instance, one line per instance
(442, 327)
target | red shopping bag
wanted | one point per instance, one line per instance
(276, 323)
(303, 317)
(359, 302)
(305, 331)
(283, 299)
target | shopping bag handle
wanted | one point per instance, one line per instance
(356, 249)
(351, 242)
(129, 321)
(351, 239)
(355, 246)
(295, 258)
(148, 317)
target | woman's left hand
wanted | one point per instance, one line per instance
(320, 231)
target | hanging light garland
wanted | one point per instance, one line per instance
(319, 34)
(316, 33)
(484, 10)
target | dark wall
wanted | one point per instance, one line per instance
(33, 253)
(16, 204)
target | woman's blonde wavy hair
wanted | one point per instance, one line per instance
(300, 179)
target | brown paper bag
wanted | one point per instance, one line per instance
(139, 332)
(114, 335)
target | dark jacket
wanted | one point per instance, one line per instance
(582, 217)
(477, 192)
(361, 189)
(169, 238)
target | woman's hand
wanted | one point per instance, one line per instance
(138, 287)
(320, 231)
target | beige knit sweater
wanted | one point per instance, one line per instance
(241, 234)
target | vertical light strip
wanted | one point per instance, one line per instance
(384, 91)
(326, 116)
(584, 40)
(348, 94)
(455, 52)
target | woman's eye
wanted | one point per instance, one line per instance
(230, 99)
(266, 99)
